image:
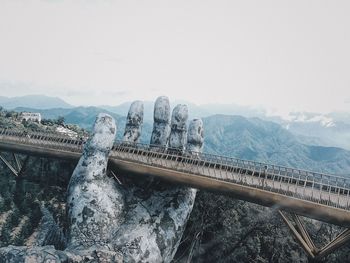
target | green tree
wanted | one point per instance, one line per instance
(24, 122)
(60, 120)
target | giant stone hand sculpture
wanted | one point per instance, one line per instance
(130, 222)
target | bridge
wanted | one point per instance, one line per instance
(293, 192)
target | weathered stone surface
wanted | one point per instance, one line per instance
(157, 216)
(178, 133)
(94, 205)
(134, 122)
(161, 124)
(94, 255)
(195, 136)
(13, 254)
(154, 225)
(48, 254)
(49, 233)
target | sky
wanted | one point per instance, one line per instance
(281, 55)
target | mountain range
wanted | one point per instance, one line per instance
(304, 140)
(194, 110)
(332, 129)
(33, 101)
(266, 141)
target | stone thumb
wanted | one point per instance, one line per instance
(103, 135)
(92, 203)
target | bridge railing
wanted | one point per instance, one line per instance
(317, 187)
(41, 139)
(321, 188)
(314, 177)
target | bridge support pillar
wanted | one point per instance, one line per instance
(299, 231)
(19, 166)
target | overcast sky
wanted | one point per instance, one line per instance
(287, 55)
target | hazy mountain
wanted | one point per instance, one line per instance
(33, 101)
(237, 136)
(256, 139)
(340, 116)
(320, 129)
(194, 110)
(122, 109)
(329, 130)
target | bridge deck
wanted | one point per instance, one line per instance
(320, 196)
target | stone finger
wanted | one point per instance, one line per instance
(178, 133)
(161, 122)
(134, 122)
(195, 136)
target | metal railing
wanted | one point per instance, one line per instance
(316, 187)
(50, 140)
(329, 190)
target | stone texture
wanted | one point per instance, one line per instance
(178, 133)
(94, 255)
(161, 122)
(94, 205)
(134, 122)
(48, 254)
(49, 233)
(195, 136)
(154, 225)
(157, 215)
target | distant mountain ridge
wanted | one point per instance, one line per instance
(33, 101)
(269, 142)
(320, 129)
(194, 109)
(235, 136)
(306, 141)
(328, 130)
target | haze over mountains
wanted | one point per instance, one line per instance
(302, 140)
(266, 141)
(33, 101)
(332, 129)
